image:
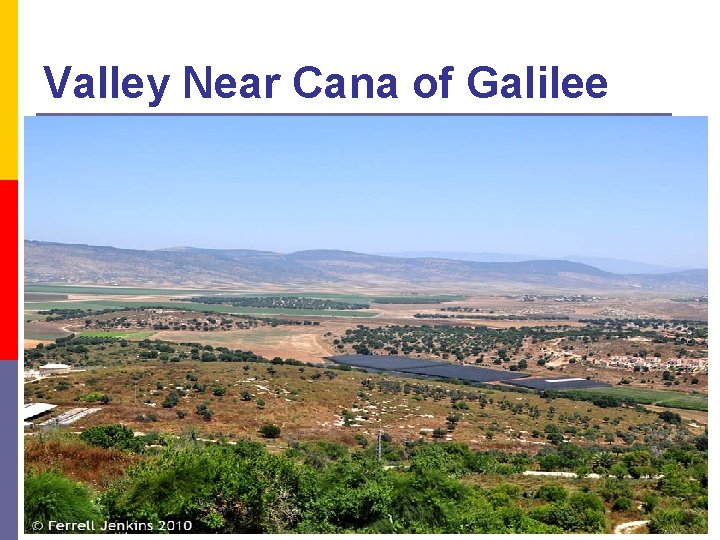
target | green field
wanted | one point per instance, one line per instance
(132, 336)
(341, 297)
(135, 291)
(662, 398)
(192, 306)
(119, 291)
(418, 299)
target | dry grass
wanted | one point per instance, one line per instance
(308, 409)
(93, 466)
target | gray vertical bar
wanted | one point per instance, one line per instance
(9, 418)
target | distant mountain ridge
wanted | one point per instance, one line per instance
(609, 264)
(79, 263)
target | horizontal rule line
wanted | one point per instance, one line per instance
(352, 114)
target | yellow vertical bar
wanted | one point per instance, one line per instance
(8, 186)
(8, 89)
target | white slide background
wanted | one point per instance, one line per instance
(657, 57)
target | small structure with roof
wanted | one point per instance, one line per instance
(53, 369)
(33, 410)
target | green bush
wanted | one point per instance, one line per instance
(322, 487)
(650, 502)
(622, 504)
(172, 399)
(270, 431)
(204, 411)
(362, 440)
(90, 398)
(220, 488)
(114, 436)
(551, 493)
(678, 521)
(349, 495)
(670, 417)
(581, 513)
(453, 459)
(50, 496)
(614, 489)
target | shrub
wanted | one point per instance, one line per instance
(270, 431)
(650, 502)
(581, 512)
(551, 493)
(361, 440)
(670, 417)
(622, 504)
(614, 489)
(90, 398)
(678, 521)
(204, 411)
(50, 496)
(111, 436)
(220, 488)
(171, 400)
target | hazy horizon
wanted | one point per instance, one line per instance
(630, 188)
(620, 266)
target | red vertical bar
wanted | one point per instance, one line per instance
(9, 269)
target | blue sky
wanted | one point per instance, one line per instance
(623, 187)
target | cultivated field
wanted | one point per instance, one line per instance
(285, 342)
(661, 398)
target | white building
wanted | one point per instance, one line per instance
(52, 369)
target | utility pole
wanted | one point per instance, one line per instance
(378, 446)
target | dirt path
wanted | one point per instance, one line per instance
(629, 527)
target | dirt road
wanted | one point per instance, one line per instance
(629, 527)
